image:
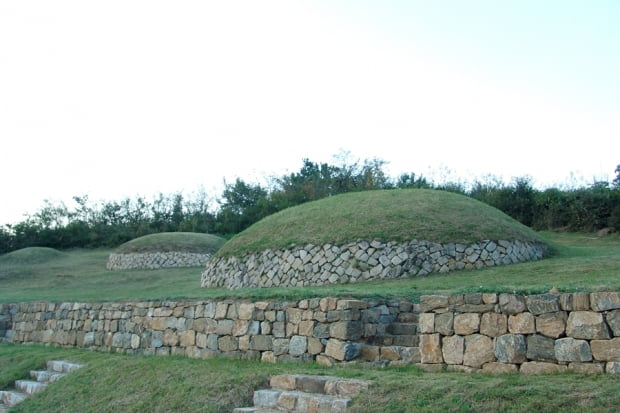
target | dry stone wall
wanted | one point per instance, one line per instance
(155, 260)
(530, 334)
(361, 261)
(491, 333)
(326, 330)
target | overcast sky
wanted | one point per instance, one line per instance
(124, 98)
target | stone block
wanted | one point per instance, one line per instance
(543, 303)
(587, 325)
(474, 308)
(444, 323)
(478, 351)
(298, 345)
(540, 367)
(346, 330)
(224, 327)
(268, 357)
(227, 344)
(351, 305)
(499, 368)
(294, 315)
(493, 324)
(551, 324)
(606, 350)
(306, 328)
(322, 360)
(570, 349)
(453, 348)
(402, 328)
(267, 398)
(328, 304)
(489, 298)
(261, 343)
(321, 330)
(430, 303)
(170, 338)
(370, 353)
(390, 353)
(612, 367)
(280, 346)
(430, 349)
(341, 350)
(510, 348)
(427, 323)
(221, 309)
(540, 348)
(613, 321)
(187, 338)
(240, 327)
(466, 324)
(512, 304)
(522, 323)
(246, 311)
(587, 368)
(283, 382)
(605, 301)
(314, 346)
(575, 302)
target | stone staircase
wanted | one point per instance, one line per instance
(305, 394)
(56, 369)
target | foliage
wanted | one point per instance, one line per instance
(108, 224)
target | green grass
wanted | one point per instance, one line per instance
(115, 382)
(173, 241)
(395, 215)
(582, 262)
(31, 255)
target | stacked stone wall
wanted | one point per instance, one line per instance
(326, 330)
(361, 261)
(155, 260)
(530, 334)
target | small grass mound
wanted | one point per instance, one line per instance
(173, 242)
(31, 255)
(385, 215)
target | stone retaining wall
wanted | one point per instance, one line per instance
(155, 260)
(361, 261)
(326, 330)
(531, 334)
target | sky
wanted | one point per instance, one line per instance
(131, 98)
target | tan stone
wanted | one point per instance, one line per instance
(240, 327)
(159, 323)
(444, 323)
(499, 368)
(539, 367)
(314, 345)
(283, 382)
(268, 357)
(389, 353)
(170, 338)
(551, 324)
(466, 324)
(433, 302)
(522, 323)
(430, 349)
(587, 368)
(489, 298)
(606, 350)
(246, 310)
(586, 325)
(452, 349)
(493, 324)
(328, 304)
(427, 323)
(187, 338)
(612, 367)
(478, 350)
(221, 309)
(351, 305)
(244, 342)
(370, 353)
(604, 301)
(325, 360)
(306, 328)
(462, 369)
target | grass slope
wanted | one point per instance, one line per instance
(387, 215)
(583, 262)
(30, 255)
(173, 241)
(116, 382)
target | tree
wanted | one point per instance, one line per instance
(616, 182)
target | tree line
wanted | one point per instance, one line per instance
(111, 223)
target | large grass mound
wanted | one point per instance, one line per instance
(31, 255)
(386, 215)
(173, 242)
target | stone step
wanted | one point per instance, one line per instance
(333, 386)
(46, 376)
(3, 408)
(61, 366)
(29, 387)
(255, 410)
(11, 398)
(298, 401)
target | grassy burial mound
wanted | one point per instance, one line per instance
(165, 250)
(371, 235)
(31, 255)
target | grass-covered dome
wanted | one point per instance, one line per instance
(31, 255)
(173, 242)
(385, 215)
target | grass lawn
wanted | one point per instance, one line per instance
(583, 262)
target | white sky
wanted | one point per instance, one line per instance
(125, 98)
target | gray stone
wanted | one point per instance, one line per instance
(298, 345)
(452, 349)
(541, 348)
(512, 304)
(346, 330)
(510, 348)
(427, 323)
(587, 325)
(543, 303)
(605, 301)
(444, 323)
(570, 349)
(613, 321)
